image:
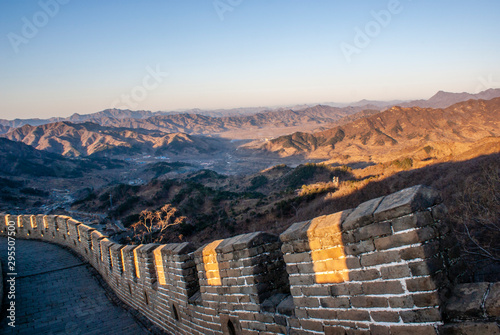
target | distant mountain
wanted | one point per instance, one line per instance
(4, 129)
(77, 118)
(111, 113)
(377, 104)
(445, 99)
(85, 139)
(120, 114)
(18, 159)
(197, 121)
(208, 125)
(242, 111)
(395, 129)
(205, 122)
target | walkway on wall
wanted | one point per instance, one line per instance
(57, 294)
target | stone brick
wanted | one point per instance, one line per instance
(364, 275)
(352, 263)
(427, 267)
(466, 301)
(492, 304)
(346, 289)
(412, 330)
(421, 315)
(395, 271)
(401, 302)
(470, 328)
(373, 230)
(339, 289)
(426, 299)
(425, 251)
(415, 220)
(322, 314)
(354, 315)
(287, 248)
(307, 302)
(316, 291)
(275, 329)
(358, 331)
(385, 316)
(369, 302)
(359, 248)
(355, 288)
(312, 325)
(361, 215)
(301, 246)
(420, 284)
(298, 258)
(397, 240)
(334, 302)
(335, 330)
(378, 258)
(379, 330)
(384, 287)
(406, 202)
(302, 280)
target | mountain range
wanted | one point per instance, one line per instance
(196, 121)
(445, 99)
(18, 159)
(394, 130)
(85, 139)
(343, 133)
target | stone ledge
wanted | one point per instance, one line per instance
(492, 303)
(177, 248)
(245, 241)
(470, 328)
(406, 201)
(466, 301)
(362, 215)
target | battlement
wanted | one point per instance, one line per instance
(379, 268)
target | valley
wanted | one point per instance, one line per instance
(258, 170)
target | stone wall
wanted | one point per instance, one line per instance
(380, 268)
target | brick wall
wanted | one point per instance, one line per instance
(380, 268)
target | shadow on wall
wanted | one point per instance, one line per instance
(379, 267)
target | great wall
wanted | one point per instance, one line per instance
(389, 266)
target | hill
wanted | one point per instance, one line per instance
(85, 139)
(445, 99)
(394, 130)
(197, 124)
(18, 159)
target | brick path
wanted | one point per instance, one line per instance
(57, 294)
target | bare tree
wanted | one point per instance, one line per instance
(153, 225)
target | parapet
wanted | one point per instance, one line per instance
(380, 268)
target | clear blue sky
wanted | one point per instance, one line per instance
(87, 55)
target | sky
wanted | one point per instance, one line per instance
(59, 57)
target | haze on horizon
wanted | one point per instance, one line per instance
(61, 57)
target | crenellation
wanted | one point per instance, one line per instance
(38, 225)
(106, 259)
(128, 262)
(95, 258)
(145, 265)
(62, 224)
(52, 228)
(85, 245)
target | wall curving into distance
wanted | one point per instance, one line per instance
(381, 268)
